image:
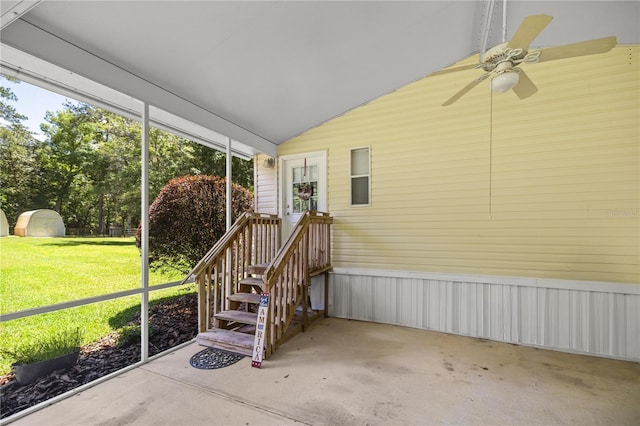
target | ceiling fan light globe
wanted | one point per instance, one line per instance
(505, 81)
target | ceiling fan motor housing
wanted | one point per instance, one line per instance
(501, 54)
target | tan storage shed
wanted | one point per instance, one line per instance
(40, 223)
(4, 225)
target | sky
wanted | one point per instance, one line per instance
(34, 102)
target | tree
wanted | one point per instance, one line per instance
(17, 151)
(170, 156)
(116, 173)
(68, 154)
(88, 168)
(211, 162)
(8, 112)
(188, 217)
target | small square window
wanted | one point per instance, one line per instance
(307, 176)
(360, 177)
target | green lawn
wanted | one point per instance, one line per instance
(42, 271)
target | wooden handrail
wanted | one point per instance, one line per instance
(219, 245)
(309, 217)
(287, 278)
(253, 238)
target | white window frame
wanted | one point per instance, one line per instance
(352, 176)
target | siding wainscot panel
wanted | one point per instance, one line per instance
(594, 318)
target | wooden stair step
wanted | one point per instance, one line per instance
(257, 269)
(227, 340)
(238, 316)
(245, 298)
(253, 281)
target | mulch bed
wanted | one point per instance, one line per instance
(173, 322)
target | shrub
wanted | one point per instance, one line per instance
(130, 334)
(188, 217)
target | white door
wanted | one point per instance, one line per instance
(304, 187)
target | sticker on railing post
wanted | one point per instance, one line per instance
(258, 343)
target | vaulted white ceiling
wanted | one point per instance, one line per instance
(262, 72)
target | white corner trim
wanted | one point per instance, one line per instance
(598, 286)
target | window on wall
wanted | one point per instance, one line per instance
(305, 188)
(360, 177)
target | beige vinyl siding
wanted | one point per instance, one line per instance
(546, 187)
(266, 184)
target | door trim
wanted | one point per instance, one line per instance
(282, 178)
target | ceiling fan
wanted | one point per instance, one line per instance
(503, 61)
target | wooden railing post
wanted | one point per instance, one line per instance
(288, 277)
(307, 280)
(202, 307)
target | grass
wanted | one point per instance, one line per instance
(42, 271)
(63, 342)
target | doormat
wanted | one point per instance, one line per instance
(212, 358)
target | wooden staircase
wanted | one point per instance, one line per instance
(234, 329)
(247, 261)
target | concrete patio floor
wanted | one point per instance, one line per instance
(344, 372)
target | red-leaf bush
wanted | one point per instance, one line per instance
(188, 217)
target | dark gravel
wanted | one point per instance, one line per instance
(172, 322)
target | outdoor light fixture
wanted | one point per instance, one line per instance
(269, 163)
(505, 81)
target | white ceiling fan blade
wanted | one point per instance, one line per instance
(449, 70)
(528, 31)
(525, 86)
(466, 89)
(589, 47)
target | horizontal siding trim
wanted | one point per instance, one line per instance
(596, 286)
